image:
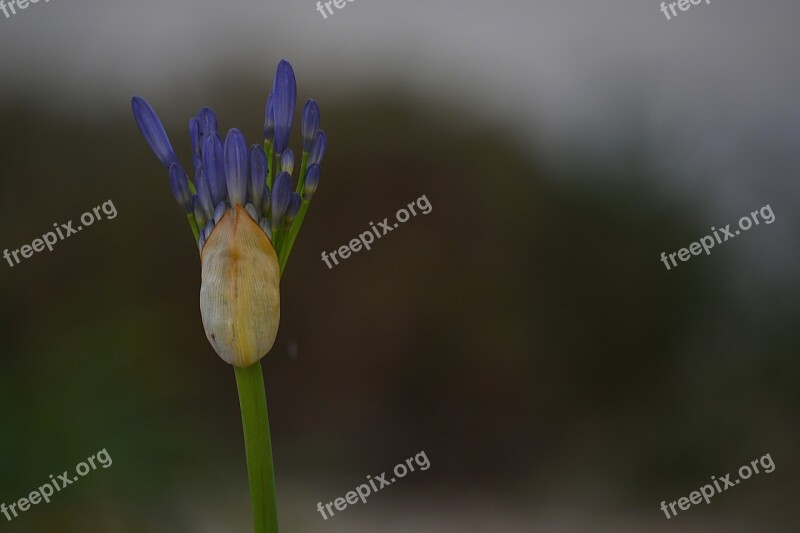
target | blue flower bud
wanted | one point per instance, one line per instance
(269, 120)
(264, 224)
(179, 184)
(197, 211)
(236, 167)
(194, 137)
(258, 174)
(253, 212)
(205, 124)
(207, 120)
(293, 208)
(287, 161)
(310, 124)
(311, 183)
(203, 193)
(266, 203)
(284, 99)
(214, 164)
(281, 192)
(205, 233)
(318, 148)
(220, 211)
(153, 131)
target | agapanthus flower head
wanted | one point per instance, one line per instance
(239, 222)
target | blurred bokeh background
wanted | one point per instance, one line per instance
(524, 334)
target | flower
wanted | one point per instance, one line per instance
(241, 225)
(245, 227)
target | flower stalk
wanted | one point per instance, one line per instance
(245, 217)
(258, 447)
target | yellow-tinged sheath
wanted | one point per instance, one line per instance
(240, 290)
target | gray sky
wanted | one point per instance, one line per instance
(559, 61)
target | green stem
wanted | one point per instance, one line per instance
(301, 180)
(193, 224)
(287, 242)
(294, 230)
(258, 447)
(270, 165)
(277, 235)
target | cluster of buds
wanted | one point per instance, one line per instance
(245, 222)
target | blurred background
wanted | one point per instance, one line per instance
(524, 334)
